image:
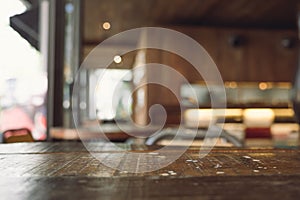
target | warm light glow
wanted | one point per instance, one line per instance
(199, 117)
(117, 59)
(263, 85)
(258, 117)
(106, 25)
(284, 129)
(232, 84)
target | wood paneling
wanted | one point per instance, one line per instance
(268, 60)
(260, 56)
(249, 62)
(231, 61)
(128, 14)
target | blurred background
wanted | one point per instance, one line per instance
(43, 43)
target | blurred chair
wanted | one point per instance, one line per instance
(17, 135)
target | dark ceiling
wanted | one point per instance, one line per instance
(126, 14)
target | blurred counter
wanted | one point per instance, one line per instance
(113, 133)
(283, 135)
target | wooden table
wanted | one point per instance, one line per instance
(65, 170)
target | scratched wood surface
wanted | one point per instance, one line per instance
(63, 170)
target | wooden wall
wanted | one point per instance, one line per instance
(259, 56)
(254, 55)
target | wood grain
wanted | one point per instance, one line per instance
(66, 169)
(124, 15)
(64, 158)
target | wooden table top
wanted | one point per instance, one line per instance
(65, 170)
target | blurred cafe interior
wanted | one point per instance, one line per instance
(114, 77)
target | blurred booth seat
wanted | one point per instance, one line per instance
(17, 135)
